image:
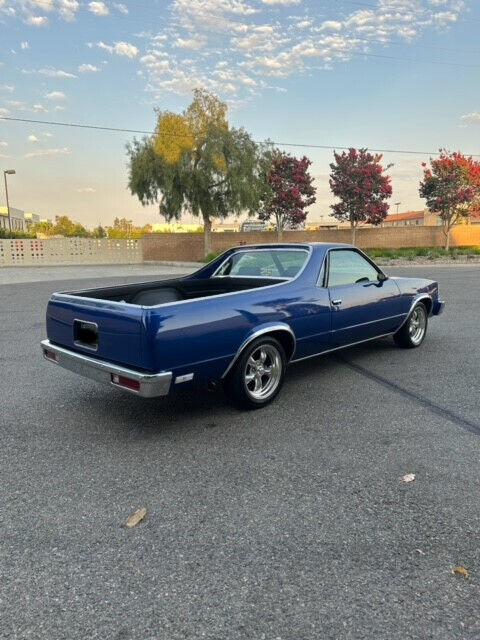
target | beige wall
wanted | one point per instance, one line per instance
(58, 251)
(185, 246)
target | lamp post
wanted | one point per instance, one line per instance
(8, 172)
(397, 204)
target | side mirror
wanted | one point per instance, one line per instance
(382, 277)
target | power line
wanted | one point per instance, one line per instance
(273, 142)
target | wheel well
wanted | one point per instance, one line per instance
(286, 339)
(428, 304)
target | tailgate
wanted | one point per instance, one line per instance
(100, 329)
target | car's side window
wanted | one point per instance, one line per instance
(347, 266)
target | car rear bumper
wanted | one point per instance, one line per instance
(147, 385)
(438, 307)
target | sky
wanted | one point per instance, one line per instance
(382, 74)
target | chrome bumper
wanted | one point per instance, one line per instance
(150, 385)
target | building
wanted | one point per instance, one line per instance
(176, 227)
(424, 218)
(253, 225)
(31, 219)
(17, 219)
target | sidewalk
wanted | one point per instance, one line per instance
(17, 275)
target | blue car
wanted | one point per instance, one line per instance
(239, 321)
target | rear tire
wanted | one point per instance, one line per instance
(258, 375)
(413, 332)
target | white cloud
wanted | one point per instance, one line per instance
(59, 107)
(4, 111)
(88, 68)
(39, 108)
(86, 190)
(63, 151)
(24, 45)
(50, 72)
(471, 118)
(7, 87)
(122, 8)
(68, 9)
(120, 49)
(37, 21)
(247, 37)
(32, 138)
(3, 144)
(56, 95)
(190, 43)
(331, 25)
(98, 8)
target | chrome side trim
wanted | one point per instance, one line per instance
(345, 346)
(362, 324)
(151, 384)
(259, 332)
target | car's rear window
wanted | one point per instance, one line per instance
(264, 263)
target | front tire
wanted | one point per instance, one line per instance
(258, 374)
(413, 332)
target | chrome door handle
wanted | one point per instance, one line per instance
(336, 302)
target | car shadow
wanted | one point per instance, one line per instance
(197, 409)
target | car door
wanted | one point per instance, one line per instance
(364, 302)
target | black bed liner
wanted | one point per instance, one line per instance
(163, 291)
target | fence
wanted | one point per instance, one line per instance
(60, 251)
(189, 246)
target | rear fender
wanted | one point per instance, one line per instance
(281, 330)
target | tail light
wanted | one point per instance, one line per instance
(126, 383)
(50, 355)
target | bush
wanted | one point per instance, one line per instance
(210, 257)
(16, 235)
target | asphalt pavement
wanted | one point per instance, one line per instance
(289, 523)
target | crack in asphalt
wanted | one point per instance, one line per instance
(464, 423)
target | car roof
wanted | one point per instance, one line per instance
(291, 245)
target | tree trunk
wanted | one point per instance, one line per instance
(279, 229)
(447, 238)
(354, 231)
(207, 230)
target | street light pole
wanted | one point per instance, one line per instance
(9, 172)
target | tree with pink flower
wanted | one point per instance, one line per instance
(451, 188)
(358, 180)
(288, 190)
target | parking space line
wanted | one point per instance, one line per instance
(464, 423)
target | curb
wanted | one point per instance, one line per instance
(173, 263)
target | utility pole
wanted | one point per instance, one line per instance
(397, 204)
(9, 172)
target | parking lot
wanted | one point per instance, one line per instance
(287, 523)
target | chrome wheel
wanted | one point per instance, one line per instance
(417, 324)
(263, 372)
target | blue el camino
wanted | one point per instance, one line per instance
(239, 320)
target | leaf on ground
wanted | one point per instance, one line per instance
(409, 477)
(460, 571)
(135, 518)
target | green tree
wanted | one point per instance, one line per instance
(99, 232)
(69, 229)
(44, 228)
(195, 162)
